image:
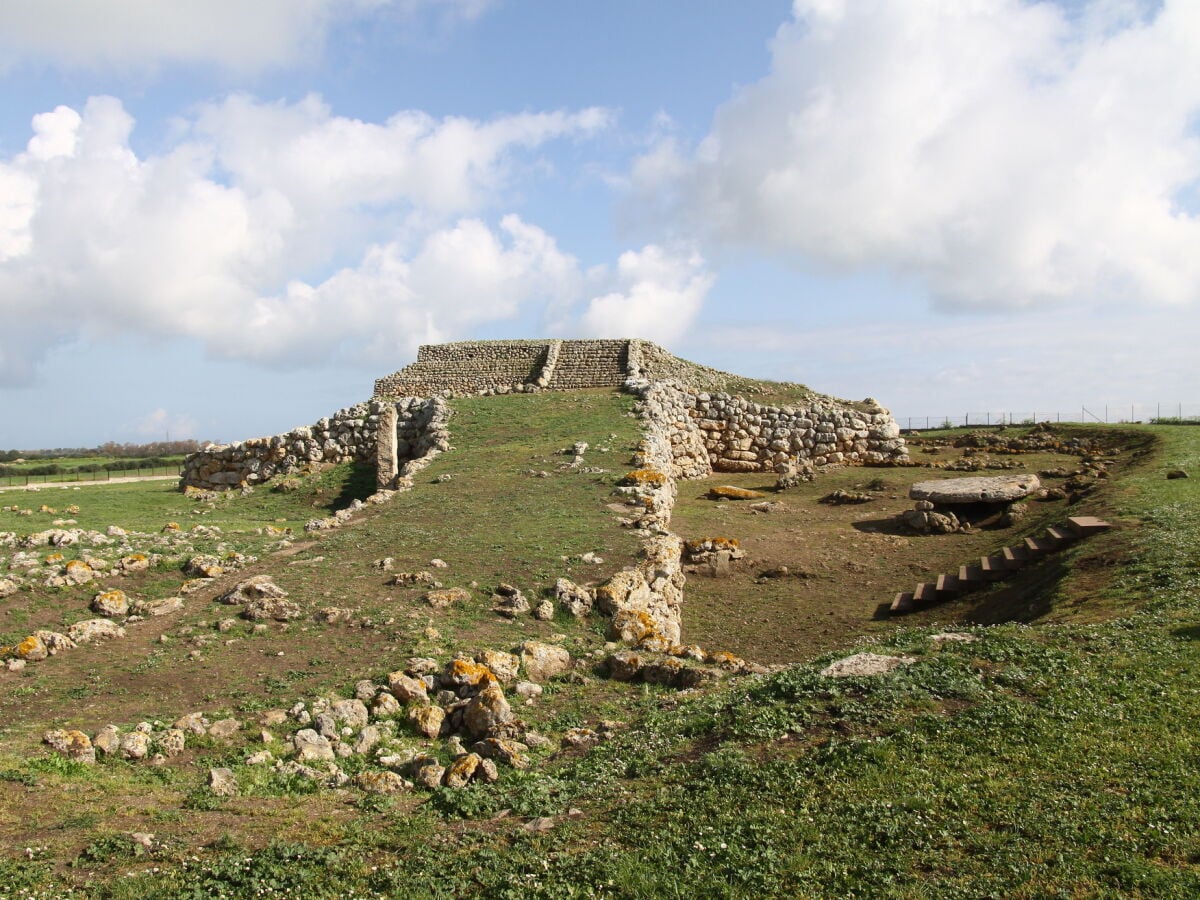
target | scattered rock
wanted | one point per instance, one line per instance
(255, 588)
(509, 602)
(74, 745)
(222, 782)
(544, 661)
(729, 492)
(111, 603)
(444, 598)
(574, 599)
(381, 783)
(94, 629)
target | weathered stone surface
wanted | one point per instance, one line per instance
(54, 641)
(74, 745)
(192, 723)
(465, 673)
(172, 742)
(352, 713)
(996, 489)
(407, 689)
(510, 752)
(222, 782)
(32, 649)
(107, 740)
(429, 774)
(384, 706)
(443, 598)
(544, 661)
(224, 729)
(312, 747)
(94, 629)
(504, 666)
(427, 719)
(574, 599)
(462, 770)
(134, 745)
(257, 587)
(861, 664)
(161, 607)
(279, 609)
(381, 783)
(487, 712)
(509, 602)
(111, 603)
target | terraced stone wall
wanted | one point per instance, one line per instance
(719, 432)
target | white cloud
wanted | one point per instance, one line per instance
(1000, 152)
(657, 295)
(159, 423)
(228, 236)
(234, 34)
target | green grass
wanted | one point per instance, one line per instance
(1037, 761)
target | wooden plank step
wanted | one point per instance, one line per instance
(1060, 535)
(903, 603)
(1085, 525)
(926, 592)
(948, 584)
(970, 577)
(1015, 557)
(1039, 546)
(993, 567)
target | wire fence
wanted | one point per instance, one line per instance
(1102, 413)
(87, 477)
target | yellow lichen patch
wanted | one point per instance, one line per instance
(729, 492)
(78, 567)
(32, 649)
(47, 509)
(170, 526)
(645, 477)
(54, 558)
(72, 510)
(712, 543)
(464, 671)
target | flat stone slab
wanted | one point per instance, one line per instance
(865, 664)
(997, 489)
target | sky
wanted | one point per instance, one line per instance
(220, 220)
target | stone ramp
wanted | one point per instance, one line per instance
(999, 565)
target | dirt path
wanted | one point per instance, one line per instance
(69, 484)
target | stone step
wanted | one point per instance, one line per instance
(970, 577)
(993, 567)
(903, 603)
(948, 584)
(1038, 547)
(926, 592)
(1085, 525)
(1015, 558)
(1060, 535)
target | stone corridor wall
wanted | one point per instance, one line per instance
(350, 434)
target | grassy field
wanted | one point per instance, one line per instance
(1054, 757)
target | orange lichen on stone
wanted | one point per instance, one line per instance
(32, 649)
(729, 492)
(464, 671)
(54, 558)
(712, 543)
(645, 477)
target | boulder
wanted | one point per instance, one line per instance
(111, 603)
(257, 587)
(443, 598)
(544, 661)
(312, 747)
(574, 599)
(74, 745)
(352, 713)
(462, 770)
(94, 629)
(504, 666)
(161, 607)
(487, 712)
(222, 782)
(381, 783)
(407, 689)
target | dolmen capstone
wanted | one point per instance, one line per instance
(943, 506)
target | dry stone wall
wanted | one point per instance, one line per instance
(350, 434)
(719, 432)
(467, 367)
